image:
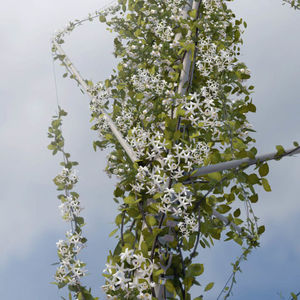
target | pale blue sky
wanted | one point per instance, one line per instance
(29, 217)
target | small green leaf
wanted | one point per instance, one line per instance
(254, 198)
(193, 13)
(209, 286)
(215, 176)
(113, 232)
(144, 248)
(253, 179)
(151, 220)
(280, 150)
(158, 272)
(261, 229)
(237, 213)
(294, 296)
(118, 219)
(266, 185)
(170, 287)
(157, 196)
(131, 200)
(195, 269)
(177, 187)
(140, 96)
(222, 209)
(51, 147)
(102, 19)
(263, 170)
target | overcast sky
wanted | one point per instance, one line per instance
(30, 223)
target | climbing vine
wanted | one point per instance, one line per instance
(180, 99)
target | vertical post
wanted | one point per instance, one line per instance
(160, 290)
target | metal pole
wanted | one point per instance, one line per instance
(160, 290)
(245, 161)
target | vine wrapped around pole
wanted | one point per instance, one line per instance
(181, 143)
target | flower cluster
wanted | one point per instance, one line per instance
(163, 31)
(132, 274)
(71, 269)
(101, 96)
(144, 81)
(212, 59)
(70, 207)
(188, 226)
(67, 177)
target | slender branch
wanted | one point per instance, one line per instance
(132, 224)
(140, 206)
(198, 235)
(235, 269)
(122, 228)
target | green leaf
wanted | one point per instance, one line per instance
(51, 147)
(195, 269)
(151, 220)
(157, 196)
(129, 199)
(170, 287)
(253, 179)
(209, 286)
(222, 209)
(251, 106)
(280, 150)
(139, 96)
(266, 185)
(261, 229)
(215, 176)
(118, 219)
(254, 198)
(193, 13)
(237, 212)
(158, 272)
(294, 296)
(144, 248)
(227, 89)
(113, 232)
(102, 19)
(263, 170)
(177, 187)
